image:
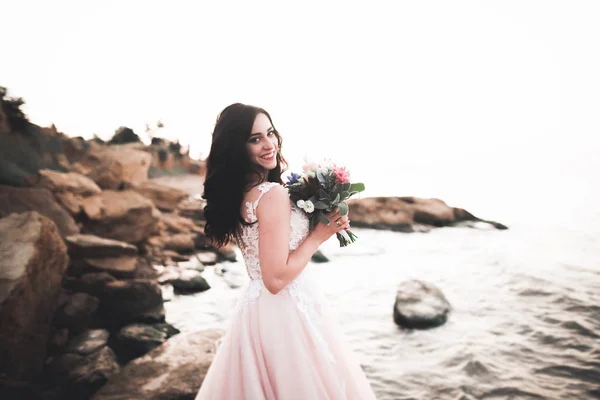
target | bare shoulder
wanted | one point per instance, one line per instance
(274, 202)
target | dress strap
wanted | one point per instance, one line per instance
(251, 207)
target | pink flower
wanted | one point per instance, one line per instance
(341, 175)
(309, 167)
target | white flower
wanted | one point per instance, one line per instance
(311, 174)
(309, 206)
(301, 204)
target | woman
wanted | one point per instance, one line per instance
(281, 342)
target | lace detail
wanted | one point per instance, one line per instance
(251, 208)
(248, 240)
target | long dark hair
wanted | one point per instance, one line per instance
(227, 169)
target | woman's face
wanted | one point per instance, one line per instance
(262, 143)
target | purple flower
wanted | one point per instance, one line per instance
(293, 178)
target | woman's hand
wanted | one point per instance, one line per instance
(337, 223)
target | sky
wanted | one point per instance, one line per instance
(469, 101)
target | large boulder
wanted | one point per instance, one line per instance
(33, 258)
(67, 182)
(82, 375)
(420, 305)
(175, 370)
(166, 198)
(114, 167)
(83, 245)
(135, 300)
(408, 214)
(135, 340)
(125, 216)
(20, 200)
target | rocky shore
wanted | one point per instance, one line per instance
(91, 247)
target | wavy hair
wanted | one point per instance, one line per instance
(227, 169)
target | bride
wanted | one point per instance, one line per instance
(281, 342)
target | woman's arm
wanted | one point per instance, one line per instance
(278, 265)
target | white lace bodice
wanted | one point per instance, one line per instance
(248, 241)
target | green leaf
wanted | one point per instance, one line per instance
(343, 208)
(337, 199)
(344, 195)
(346, 187)
(323, 218)
(357, 187)
(320, 205)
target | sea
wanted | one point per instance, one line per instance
(525, 319)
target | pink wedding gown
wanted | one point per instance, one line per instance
(284, 346)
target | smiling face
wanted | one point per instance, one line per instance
(262, 144)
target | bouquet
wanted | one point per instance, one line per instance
(319, 189)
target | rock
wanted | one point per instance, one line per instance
(420, 305)
(88, 342)
(82, 245)
(177, 224)
(77, 313)
(166, 198)
(92, 283)
(69, 202)
(168, 291)
(192, 208)
(174, 256)
(125, 216)
(116, 166)
(406, 214)
(180, 242)
(67, 182)
(319, 257)
(123, 267)
(137, 300)
(20, 200)
(91, 374)
(207, 257)
(155, 315)
(201, 242)
(189, 280)
(33, 259)
(58, 340)
(135, 340)
(227, 252)
(174, 370)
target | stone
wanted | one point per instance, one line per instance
(174, 370)
(67, 182)
(180, 242)
(420, 305)
(135, 300)
(20, 200)
(165, 198)
(189, 280)
(77, 313)
(88, 342)
(85, 245)
(207, 257)
(135, 340)
(33, 259)
(114, 167)
(126, 216)
(123, 267)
